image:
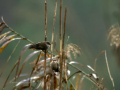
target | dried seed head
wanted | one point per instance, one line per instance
(72, 48)
(114, 35)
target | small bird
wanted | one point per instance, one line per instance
(40, 46)
(55, 66)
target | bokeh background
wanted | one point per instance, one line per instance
(88, 22)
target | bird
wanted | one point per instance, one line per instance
(40, 46)
(55, 66)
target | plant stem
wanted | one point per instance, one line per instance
(45, 41)
(60, 47)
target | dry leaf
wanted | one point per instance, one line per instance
(5, 34)
(7, 38)
(6, 43)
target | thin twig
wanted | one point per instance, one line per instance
(109, 71)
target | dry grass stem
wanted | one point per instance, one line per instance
(45, 40)
(52, 84)
(81, 81)
(77, 81)
(63, 59)
(53, 28)
(96, 59)
(64, 35)
(60, 46)
(109, 71)
(95, 64)
(54, 49)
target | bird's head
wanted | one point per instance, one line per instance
(48, 43)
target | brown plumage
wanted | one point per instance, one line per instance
(55, 66)
(40, 46)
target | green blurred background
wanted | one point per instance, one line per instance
(88, 22)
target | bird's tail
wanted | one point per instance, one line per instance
(32, 47)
